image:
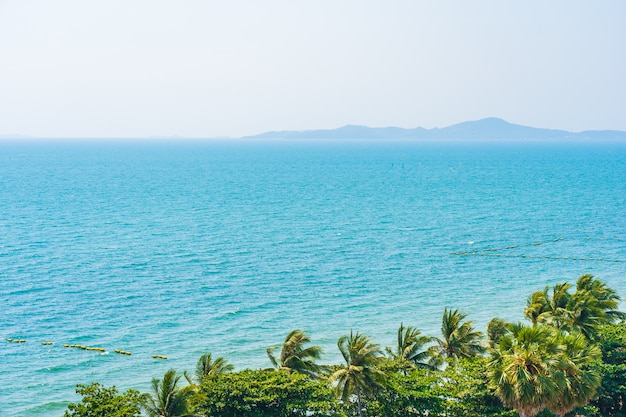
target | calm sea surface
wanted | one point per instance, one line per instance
(180, 248)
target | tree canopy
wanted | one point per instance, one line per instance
(294, 356)
(459, 339)
(100, 401)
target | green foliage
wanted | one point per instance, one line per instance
(415, 394)
(581, 381)
(294, 357)
(522, 368)
(613, 343)
(409, 352)
(461, 390)
(591, 311)
(459, 339)
(467, 390)
(361, 376)
(552, 309)
(101, 401)
(207, 367)
(592, 305)
(604, 299)
(611, 396)
(539, 367)
(537, 306)
(168, 399)
(496, 328)
(252, 393)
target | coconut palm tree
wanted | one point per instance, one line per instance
(167, 398)
(294, 357)
(560, 314)
(581, 382)
(606, 297)
(537, 305)
(208, 368)
(360, 376)
(553, 309)
(496, 328)
(523, 368)
(460, 339)
(594, 304)
(409, 352)
(585, 315)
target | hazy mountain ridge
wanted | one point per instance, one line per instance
(489, 129)
(485, 129)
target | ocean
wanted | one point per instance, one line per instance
(178, 248)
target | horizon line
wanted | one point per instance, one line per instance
(283, 131)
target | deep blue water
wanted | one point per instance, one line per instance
(179, 248)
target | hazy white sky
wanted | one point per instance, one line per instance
(201, 68)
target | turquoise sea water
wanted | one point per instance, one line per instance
(179, 248)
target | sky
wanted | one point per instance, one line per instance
(202, 68)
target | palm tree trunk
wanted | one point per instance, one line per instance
(358, 401)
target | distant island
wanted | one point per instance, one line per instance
(485, 129)
(489, 129)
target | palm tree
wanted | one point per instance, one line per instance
(167, 399)
(209, 368)
(581, 382)
(543, 308)
(522, 368)
(537, 305)
(460, 339)
(606, 297)
(560, 314)
(294, 357)
(594, 304)
(410, 352)
(360, 376)
(496, 328)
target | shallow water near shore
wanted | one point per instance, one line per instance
(180, 248)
